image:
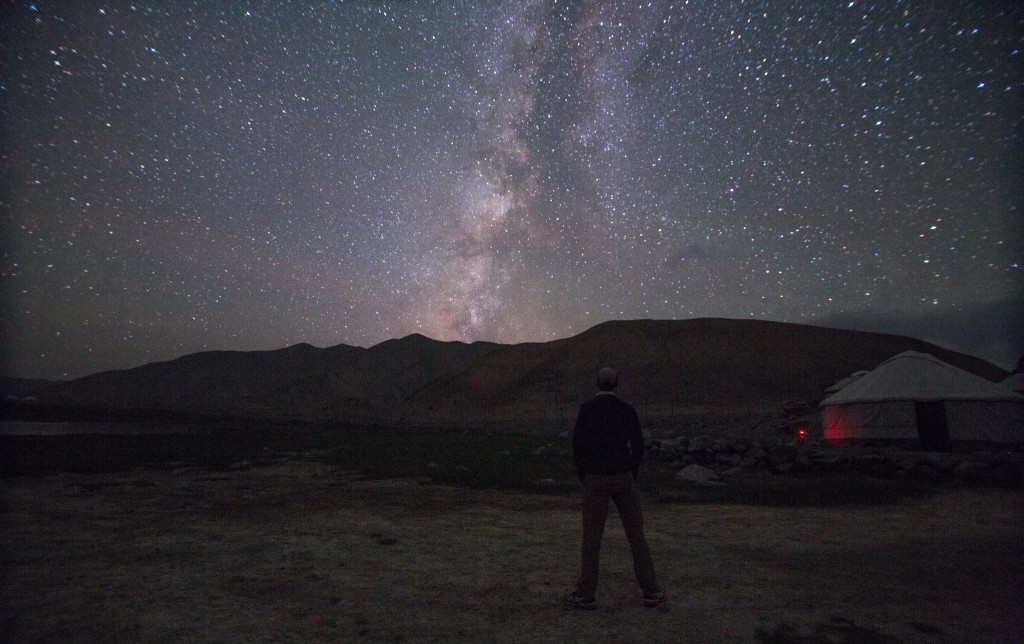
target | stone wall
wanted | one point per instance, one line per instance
(727, 457)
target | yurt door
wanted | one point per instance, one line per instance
(931, 425)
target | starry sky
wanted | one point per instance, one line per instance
(184, 176)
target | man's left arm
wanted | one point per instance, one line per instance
(636, 442)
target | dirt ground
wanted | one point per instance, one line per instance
(301, 552)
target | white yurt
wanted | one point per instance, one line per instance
(915, 396)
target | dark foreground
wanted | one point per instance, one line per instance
(307, 551)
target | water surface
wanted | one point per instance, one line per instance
(30, 428)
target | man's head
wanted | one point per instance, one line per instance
(607, 379)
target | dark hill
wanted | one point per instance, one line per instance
(670, 370)
(301, 381)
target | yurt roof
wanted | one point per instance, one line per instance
(1014, 382)
(845, 382)
(919, 377)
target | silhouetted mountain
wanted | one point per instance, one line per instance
(669, 369)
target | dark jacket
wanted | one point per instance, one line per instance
(607, 437)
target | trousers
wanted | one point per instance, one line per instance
(621, 489)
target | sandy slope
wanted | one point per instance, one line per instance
(300, 552)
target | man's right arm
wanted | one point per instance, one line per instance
(577, 444)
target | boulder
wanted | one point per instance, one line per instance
(768, 443)
(783, 453)
(829, 462)
(725, 458)
(700, 444)
(680, 442)
(749, 463)
(757, 452)
(697, 474)
(866, 461)
(905, 460)
(784, 468)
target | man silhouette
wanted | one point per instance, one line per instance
(608, 445)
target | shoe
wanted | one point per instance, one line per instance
(657, 599)
(574, 600)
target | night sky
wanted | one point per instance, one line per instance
(185, 176)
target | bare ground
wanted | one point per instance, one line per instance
(302, 552)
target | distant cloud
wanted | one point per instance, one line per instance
(990, 330)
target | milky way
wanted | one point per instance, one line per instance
(185, 176)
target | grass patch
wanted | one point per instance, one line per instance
(541, 464)
(460, 458)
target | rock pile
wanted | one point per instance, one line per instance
(725, 457)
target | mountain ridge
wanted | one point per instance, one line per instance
(669, 369)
